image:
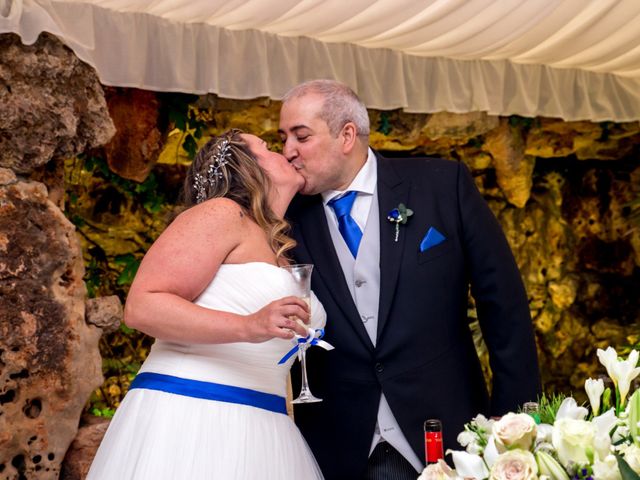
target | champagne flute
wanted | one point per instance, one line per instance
(301, 274)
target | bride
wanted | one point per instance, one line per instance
(209, 401)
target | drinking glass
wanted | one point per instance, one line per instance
(301, 274)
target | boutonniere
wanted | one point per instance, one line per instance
(399, 215)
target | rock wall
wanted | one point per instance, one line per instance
(53, 106)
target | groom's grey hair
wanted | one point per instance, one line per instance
(341, 105)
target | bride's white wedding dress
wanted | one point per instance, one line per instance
(160, 435)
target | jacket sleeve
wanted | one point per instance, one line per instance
(501, 301)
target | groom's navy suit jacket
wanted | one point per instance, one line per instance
(424, 360)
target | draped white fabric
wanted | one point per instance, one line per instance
(574, 59)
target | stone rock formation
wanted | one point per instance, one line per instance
(105, 313)
(459, 127)
(53, 105)
(84, 447)
(134, 149)
(513, 168)
(49, 358)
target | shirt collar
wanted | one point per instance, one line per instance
(364, 182)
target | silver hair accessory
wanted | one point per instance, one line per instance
(218, 159)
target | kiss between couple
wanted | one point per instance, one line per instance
(390, 290)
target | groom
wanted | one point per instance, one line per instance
(395, 288)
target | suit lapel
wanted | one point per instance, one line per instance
(392, 191)
(317, 238)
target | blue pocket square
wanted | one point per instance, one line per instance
(431, 239)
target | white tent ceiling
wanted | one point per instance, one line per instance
(574, 59)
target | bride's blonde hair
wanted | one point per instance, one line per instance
(226, 167)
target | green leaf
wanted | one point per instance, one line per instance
(132, 368)
(78, 221)
(153, 205)
(131, 264)
(517, 121)
(90, 163)
(626, 471)
(385, 125)
(548, 406)
(589, 454)
(634, 417)
(606, 399)
(190, 146)
(179, 119)
(606, 130)
(103, 412)
(126, 330)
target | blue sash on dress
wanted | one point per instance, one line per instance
(209, 391)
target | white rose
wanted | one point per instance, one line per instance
(602, 445)
(606, 469)
(433, 472)
(632, 456)
(573, 440)
(515, 465)
(438, 471)
(514, 430)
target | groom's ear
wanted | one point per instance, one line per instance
(348, 136)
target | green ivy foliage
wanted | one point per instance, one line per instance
(97, 199)
(147, 193)
(384, 125)
(99, 202)
(180, 113)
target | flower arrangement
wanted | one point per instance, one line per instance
(561, 440)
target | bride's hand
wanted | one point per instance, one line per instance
(278, 320)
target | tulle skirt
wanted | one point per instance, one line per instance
(157, 435)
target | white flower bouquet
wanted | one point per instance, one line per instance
(561, 441)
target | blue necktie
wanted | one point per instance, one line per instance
(346, 224)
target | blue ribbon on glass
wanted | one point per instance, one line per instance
(312, 339)
(210, 391)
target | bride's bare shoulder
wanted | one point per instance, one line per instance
(217, 210)
(218, 220)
